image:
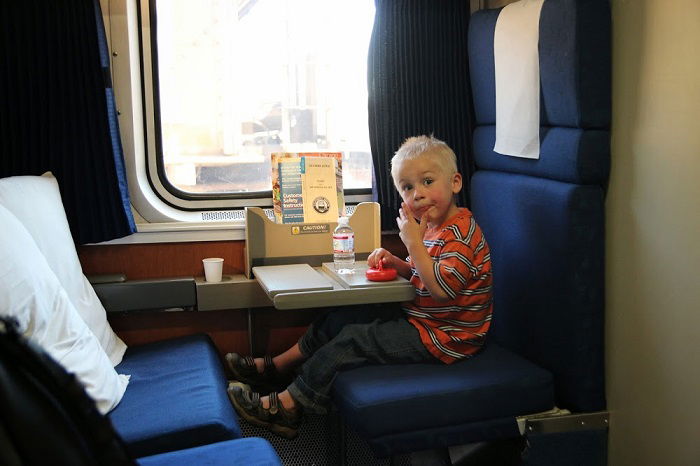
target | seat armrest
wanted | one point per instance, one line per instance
(106, 278)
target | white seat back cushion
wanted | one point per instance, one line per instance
(36, 202)
(31, 293)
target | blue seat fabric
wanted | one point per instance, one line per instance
(176, 397)
(246, 451)
(544, 218)
(574, 54)
(573, 155)
(546, 240)
(400, 403)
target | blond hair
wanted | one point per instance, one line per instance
(417, 146)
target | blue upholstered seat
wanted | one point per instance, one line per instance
(546, 242)
(573, 155)
(247, 451)
(424, 405)
(176, 397)
(544, 219)
(544, 222)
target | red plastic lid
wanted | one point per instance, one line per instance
(380, 274)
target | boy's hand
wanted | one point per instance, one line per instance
(380, 255)
(388, 260)
(411, 231)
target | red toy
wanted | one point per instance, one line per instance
(380, 274)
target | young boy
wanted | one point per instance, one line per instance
(449, 265)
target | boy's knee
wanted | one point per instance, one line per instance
(335, 321)
(354, 335)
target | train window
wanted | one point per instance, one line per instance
(229, 82)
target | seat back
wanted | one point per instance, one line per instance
(544, 218)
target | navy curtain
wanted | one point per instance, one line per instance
(57, 111)
(418, 83)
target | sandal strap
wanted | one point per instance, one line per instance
(269, 365)
(248, 361)
(274, 403)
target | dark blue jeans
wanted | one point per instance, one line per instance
(347, 338)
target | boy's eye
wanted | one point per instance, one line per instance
(428, 181)
(407, 187)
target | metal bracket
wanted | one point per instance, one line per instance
(559, 420)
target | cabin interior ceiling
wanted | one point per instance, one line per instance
(653, 221)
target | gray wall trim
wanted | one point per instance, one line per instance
(136, 295)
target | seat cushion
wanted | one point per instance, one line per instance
(176, 397)
(388, 400)
(251, 451)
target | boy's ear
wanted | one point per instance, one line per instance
(456, 183)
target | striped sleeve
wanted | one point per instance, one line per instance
(454, 267)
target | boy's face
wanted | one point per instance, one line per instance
(427, 189)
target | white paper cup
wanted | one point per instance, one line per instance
(213, 268)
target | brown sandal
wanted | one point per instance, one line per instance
(276, 418)
(243, 369)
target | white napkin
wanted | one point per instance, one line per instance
(518, 79)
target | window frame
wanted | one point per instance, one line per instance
(130, 36)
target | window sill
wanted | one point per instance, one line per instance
(182, 232)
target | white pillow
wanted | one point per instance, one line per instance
(36, 202)
(31, 293)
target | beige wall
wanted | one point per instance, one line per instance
(653, 238)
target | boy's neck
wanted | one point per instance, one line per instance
(451, 212)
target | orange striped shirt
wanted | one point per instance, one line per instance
(455, 329)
